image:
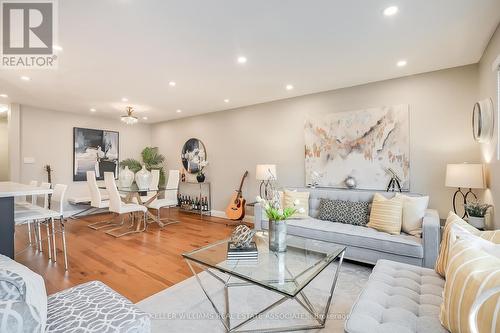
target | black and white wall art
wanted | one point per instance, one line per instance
(94, 150)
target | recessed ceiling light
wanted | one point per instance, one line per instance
(25, 78)
(178, 111)
(172, 83)
(4, 95)
(124, 99)
(289, 87)
(401, 63)
(57, 47)
(242, 60)
(390, 11)
(92, 110)
(144, 118)
(226, 101)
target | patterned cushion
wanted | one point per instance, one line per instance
(386, 214)
(94, 307)
(12, 286)
(19, 316)
(350, 212)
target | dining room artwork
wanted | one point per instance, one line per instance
(361, 145)
(94, 150)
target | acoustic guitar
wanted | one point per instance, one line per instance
(236, 208)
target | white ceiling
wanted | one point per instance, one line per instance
(133, 48)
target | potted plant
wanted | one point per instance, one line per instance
(151, 159)
(476, 212)
(277, 217)
(200, 176)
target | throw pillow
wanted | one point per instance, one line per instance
(470, 272)
(302, 198)
(413, 214)
(349, 212)
(386, 214)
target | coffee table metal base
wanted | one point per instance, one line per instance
(303, 301)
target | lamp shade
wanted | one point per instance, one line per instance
(265, 172)
(465, 175)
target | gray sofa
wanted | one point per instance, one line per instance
(88, 307)
(363, 244)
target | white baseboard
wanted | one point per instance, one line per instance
(221, 214)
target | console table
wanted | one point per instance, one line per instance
(8, 191)
(203, 188)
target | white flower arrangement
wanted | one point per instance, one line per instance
(273, 208)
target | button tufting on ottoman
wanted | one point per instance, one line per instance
(94, 307)
(398, 298)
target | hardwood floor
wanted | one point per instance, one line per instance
(137, 266)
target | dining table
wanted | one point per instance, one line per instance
(8, 192)
(143, 196)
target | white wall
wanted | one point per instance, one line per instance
(47, 136)
(236, 140)
(4, 149)
(488, 89)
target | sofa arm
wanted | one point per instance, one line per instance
(431, 237)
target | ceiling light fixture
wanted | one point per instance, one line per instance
(25, 78)
(226, 101)
(129, 119)
(92, 110)
(242, 60)
(390, 11)
(178, 111)
(172, 83)
(289, 87)
(401, 63)
(4, 95)
(124, 99)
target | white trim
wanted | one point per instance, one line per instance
(221, 214)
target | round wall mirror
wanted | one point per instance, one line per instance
(483, 121)
(193, 152)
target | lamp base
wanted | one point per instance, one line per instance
(464, 196)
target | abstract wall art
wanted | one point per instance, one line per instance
(94, 150)
(360, 145)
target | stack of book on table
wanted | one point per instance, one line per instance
(247, 255)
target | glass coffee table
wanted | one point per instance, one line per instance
(286, 274)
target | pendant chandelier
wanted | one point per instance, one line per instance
(129, 119)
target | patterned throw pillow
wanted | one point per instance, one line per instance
(349, 212)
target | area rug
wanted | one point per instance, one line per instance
(184, 307)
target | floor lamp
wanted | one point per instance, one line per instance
(266, 173)
(464, 176)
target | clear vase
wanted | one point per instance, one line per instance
(277, 236)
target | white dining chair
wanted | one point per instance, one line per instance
(96, 201)
(170, 199)
(116, 205)
(45, 216)
(24, 201)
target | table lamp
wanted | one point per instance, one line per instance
(266, 173)
(462, 176)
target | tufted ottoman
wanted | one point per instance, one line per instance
(94, 307)
(398, 298)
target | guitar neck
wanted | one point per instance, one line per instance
(241, 183)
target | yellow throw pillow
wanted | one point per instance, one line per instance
(386, 214)
(303, 202)
(470, 272)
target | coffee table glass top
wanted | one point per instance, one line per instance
(288, 272)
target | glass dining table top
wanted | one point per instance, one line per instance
(134, 188)
(287, 272)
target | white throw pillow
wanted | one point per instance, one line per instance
(413, 214)
(457, 232)
(36, 295)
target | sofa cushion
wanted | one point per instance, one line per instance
(350, 212)
(353, 235)
(94, 307)
(386, 214)
(34, 286)
(398, 298)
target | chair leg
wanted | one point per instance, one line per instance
(29, 233)
(39, 231)
(104, 224)
(54, 238)
(64, 244)
(48, 239)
